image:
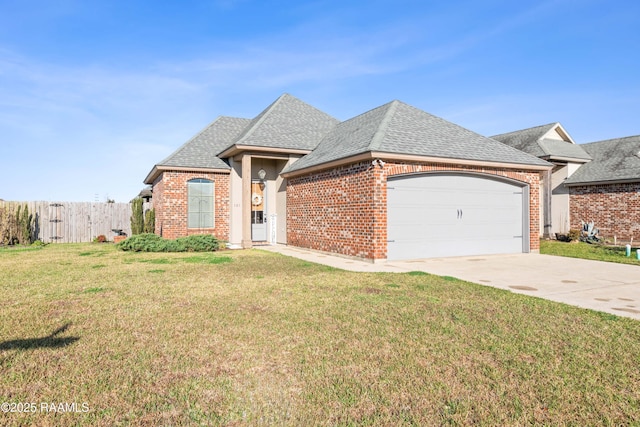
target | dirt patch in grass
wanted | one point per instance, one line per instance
(265, 339)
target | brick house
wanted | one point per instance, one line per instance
(554, 144)
(392, 183)
(598, 181)
(607, 189)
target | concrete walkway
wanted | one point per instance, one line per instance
(604, 286)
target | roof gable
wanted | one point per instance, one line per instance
(346, 139)
(287, 123)
(398, 128)
(614, 160)
(550, 142)
(526, 139)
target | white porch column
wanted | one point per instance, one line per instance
(246, 202)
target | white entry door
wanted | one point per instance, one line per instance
(258, 211)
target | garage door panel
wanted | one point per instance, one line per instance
(450, 215)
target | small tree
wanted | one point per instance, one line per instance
(150, 221)
(17, 225)
(5, 225)
(137, 216)
(24, 225)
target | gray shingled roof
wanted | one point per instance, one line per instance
(557, 148)
(613, 160)
(288, 123)
(532, 141)
(399, 128)
(201, 150)
(526, 139)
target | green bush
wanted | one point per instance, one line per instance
(148, 242)
(150, 221)
(144, 243)
(199, 243)
(17, 225)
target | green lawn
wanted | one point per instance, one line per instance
(255, 338)
(588, 251)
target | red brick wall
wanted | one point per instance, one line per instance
(344, 210)
(615, 208)
(339, 211)
(170, 203)
(157, 201)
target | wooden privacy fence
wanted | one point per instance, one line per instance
(76, 222)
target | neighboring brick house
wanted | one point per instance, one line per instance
(392, 183)
(552, 143)
(607, 189)
(598, 182)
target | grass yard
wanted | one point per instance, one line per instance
(255, 338)
(587, 251)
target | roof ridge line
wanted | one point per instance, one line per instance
(525, 129)
(263, 115)
(611, 139)
(384, 125)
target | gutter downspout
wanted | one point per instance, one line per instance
(547, 221)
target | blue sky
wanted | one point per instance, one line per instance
(94, 93)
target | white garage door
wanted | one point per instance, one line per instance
(454, 215)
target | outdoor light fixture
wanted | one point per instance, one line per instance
(262, 174)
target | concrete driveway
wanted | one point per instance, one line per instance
(604, 286)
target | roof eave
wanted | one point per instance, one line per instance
(412, 158)
(151, 177)
(613, 181)
(564, 159)
(240, 148)
(159, 169)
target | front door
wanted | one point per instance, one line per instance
(258, 211)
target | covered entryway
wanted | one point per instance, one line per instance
(455, 214)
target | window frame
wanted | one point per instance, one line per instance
(200, 222)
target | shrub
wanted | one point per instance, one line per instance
(573, 235)
(150, 221)
(137, 216)
(17, 225)
(199, 243)
(148, 242)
